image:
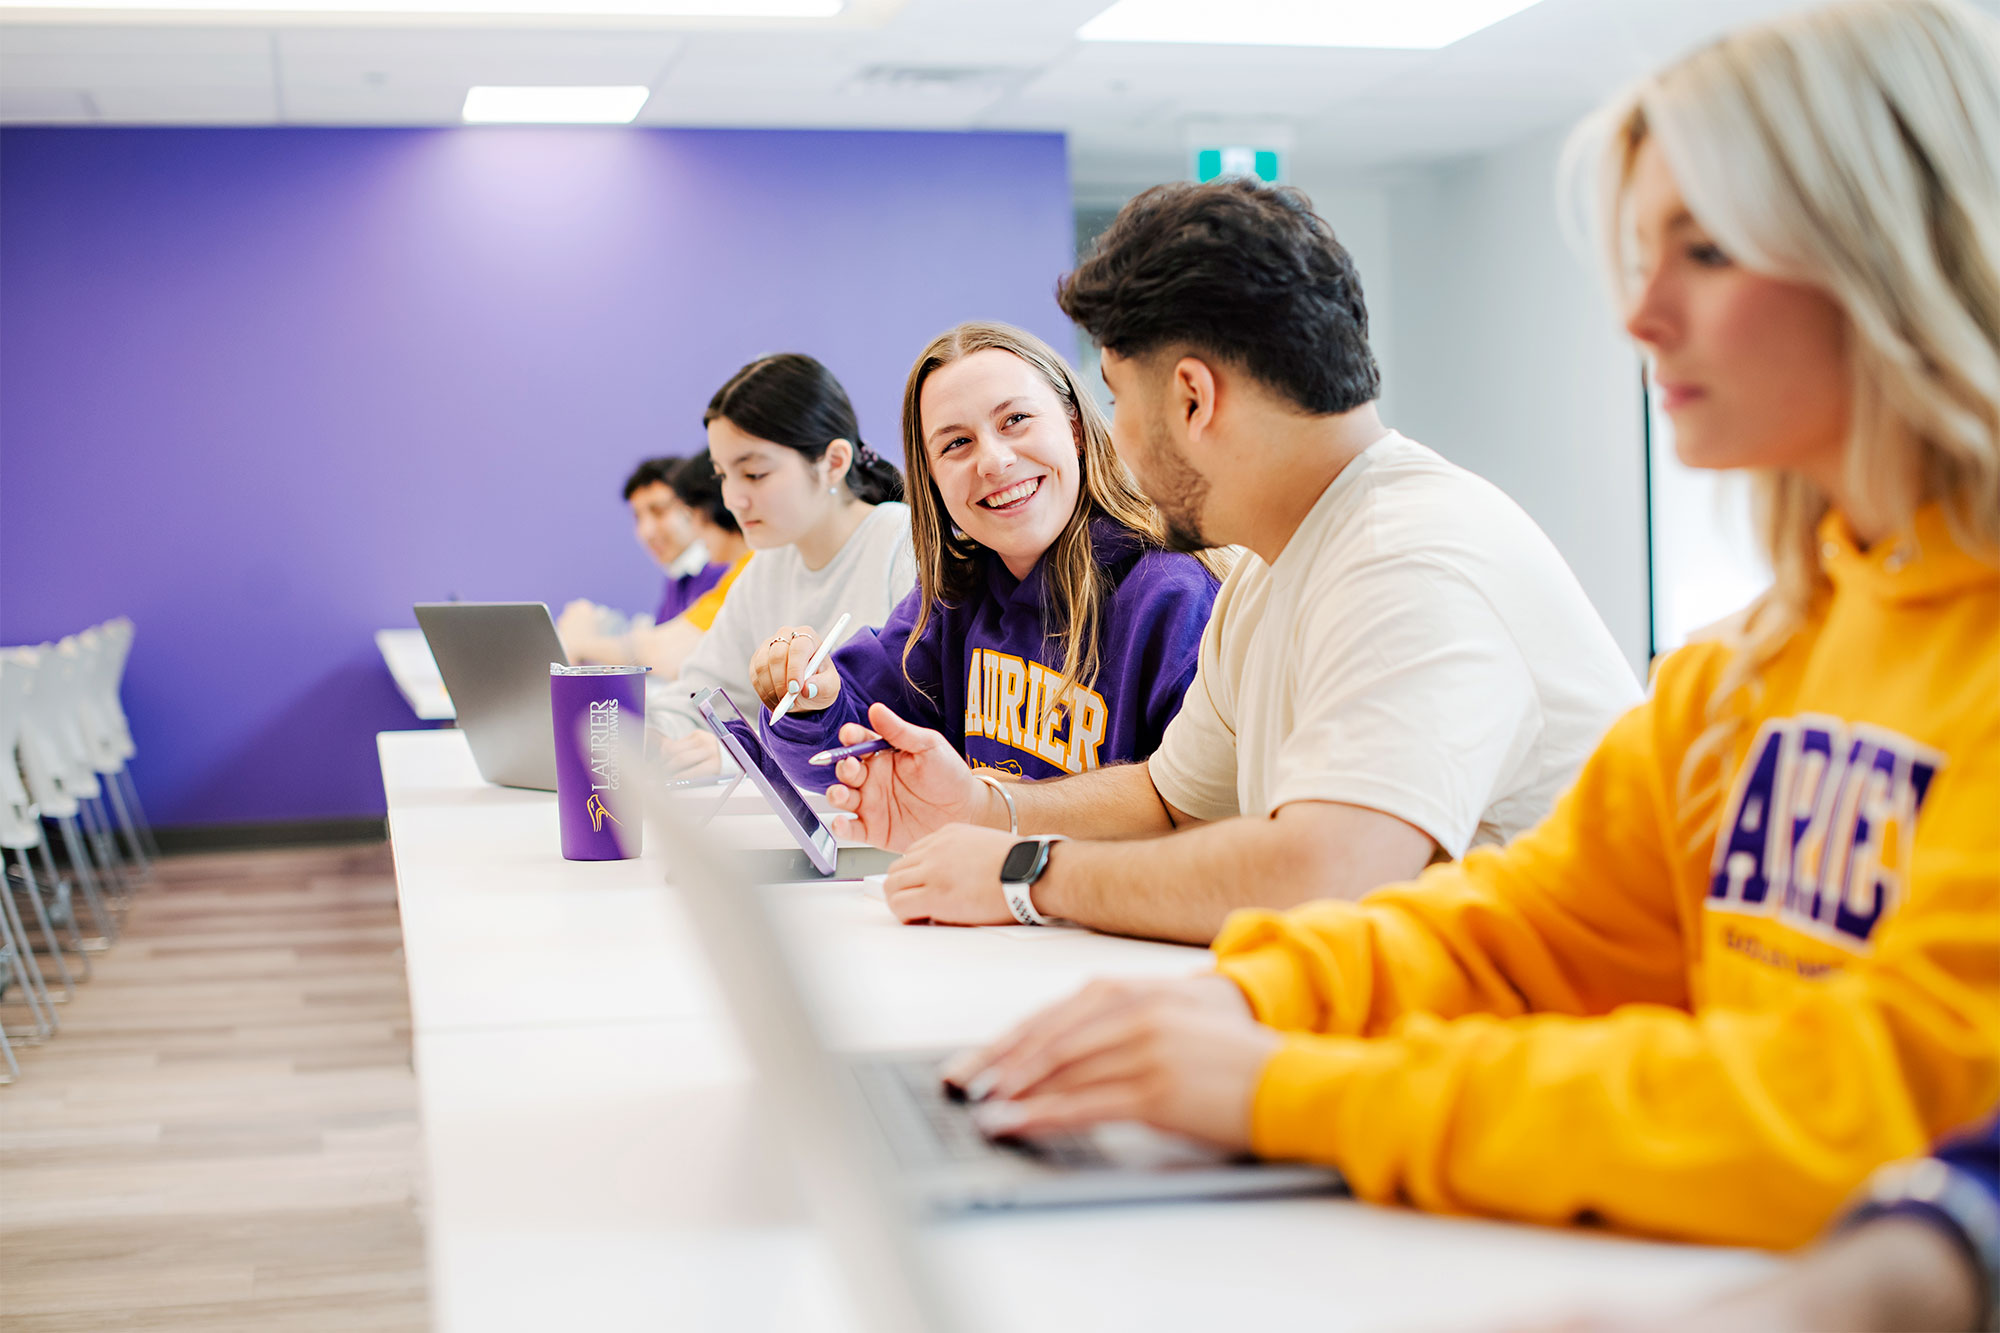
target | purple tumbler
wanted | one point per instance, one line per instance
(600, 719)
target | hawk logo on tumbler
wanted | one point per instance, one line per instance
(1819, 830)
(598, 813)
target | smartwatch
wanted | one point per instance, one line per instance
(1953, 1201)
(1026, 860)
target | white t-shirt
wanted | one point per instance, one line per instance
(872, 572)
(1419, 648)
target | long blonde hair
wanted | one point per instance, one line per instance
(1854, 148)
(949, 563)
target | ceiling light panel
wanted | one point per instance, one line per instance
(1420, 25)
(495, 105)
(569, 9)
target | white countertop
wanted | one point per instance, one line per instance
(594, 1159)
(407, 654)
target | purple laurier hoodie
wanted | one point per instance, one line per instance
(984, 668)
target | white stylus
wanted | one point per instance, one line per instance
(817, 661)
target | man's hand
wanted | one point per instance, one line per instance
(893, 798)
(781, 659)
(1183, 1056)
(952, 878)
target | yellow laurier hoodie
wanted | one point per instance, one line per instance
(1707, 1023)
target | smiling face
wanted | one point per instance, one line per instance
(662, 522)
(773, 491)
(1003, 454)
(1753, 370)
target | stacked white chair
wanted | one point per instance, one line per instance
(64, 743)
(21, 828)
(62, 782)
(106, 648)
(97, 757)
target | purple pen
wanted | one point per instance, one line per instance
(825, 758)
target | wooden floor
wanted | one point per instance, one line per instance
(224, 1135)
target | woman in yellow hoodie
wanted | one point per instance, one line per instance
(1754, 952)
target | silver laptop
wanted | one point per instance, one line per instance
(893, 1109)
(494, 657)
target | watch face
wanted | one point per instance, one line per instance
(1020, 862)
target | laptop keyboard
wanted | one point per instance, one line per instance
(929, 1127)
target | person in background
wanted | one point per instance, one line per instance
(1402, 666)
(1754, 952)
(1918, 1252)
(822, 511)
(699, 488)
(1051, 632)
(678, 512)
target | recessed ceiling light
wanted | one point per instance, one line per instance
(493, 105)
(725, 9)
(1422, 25)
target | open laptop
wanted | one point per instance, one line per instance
(890, 1112)
(494, 657)
(818, 855)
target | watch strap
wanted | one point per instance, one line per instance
(1020, 892)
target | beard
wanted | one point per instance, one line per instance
(1178, 492)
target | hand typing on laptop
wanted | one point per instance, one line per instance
(1181, 1055)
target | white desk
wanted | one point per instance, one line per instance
(593, 1159)
(407, 654)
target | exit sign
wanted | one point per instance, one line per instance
(1264, 164)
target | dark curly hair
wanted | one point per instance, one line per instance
(1238, 270)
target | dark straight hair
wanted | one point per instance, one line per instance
(792, 400)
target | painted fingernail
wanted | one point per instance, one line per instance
(812, 690)
(792, 687)
(981, 1085)
(997, 1118)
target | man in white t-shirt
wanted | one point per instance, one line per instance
(1402, 665)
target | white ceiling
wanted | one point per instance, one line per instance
(917, 64)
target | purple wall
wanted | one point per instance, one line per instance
(263, 389)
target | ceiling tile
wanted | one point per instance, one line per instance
(378, 57)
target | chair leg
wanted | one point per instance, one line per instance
(116, 791)
(62, 885)
(86, 875)
(145, 825)
(7, 1049)
(54, 945)
(117, 887)
(13, 943)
